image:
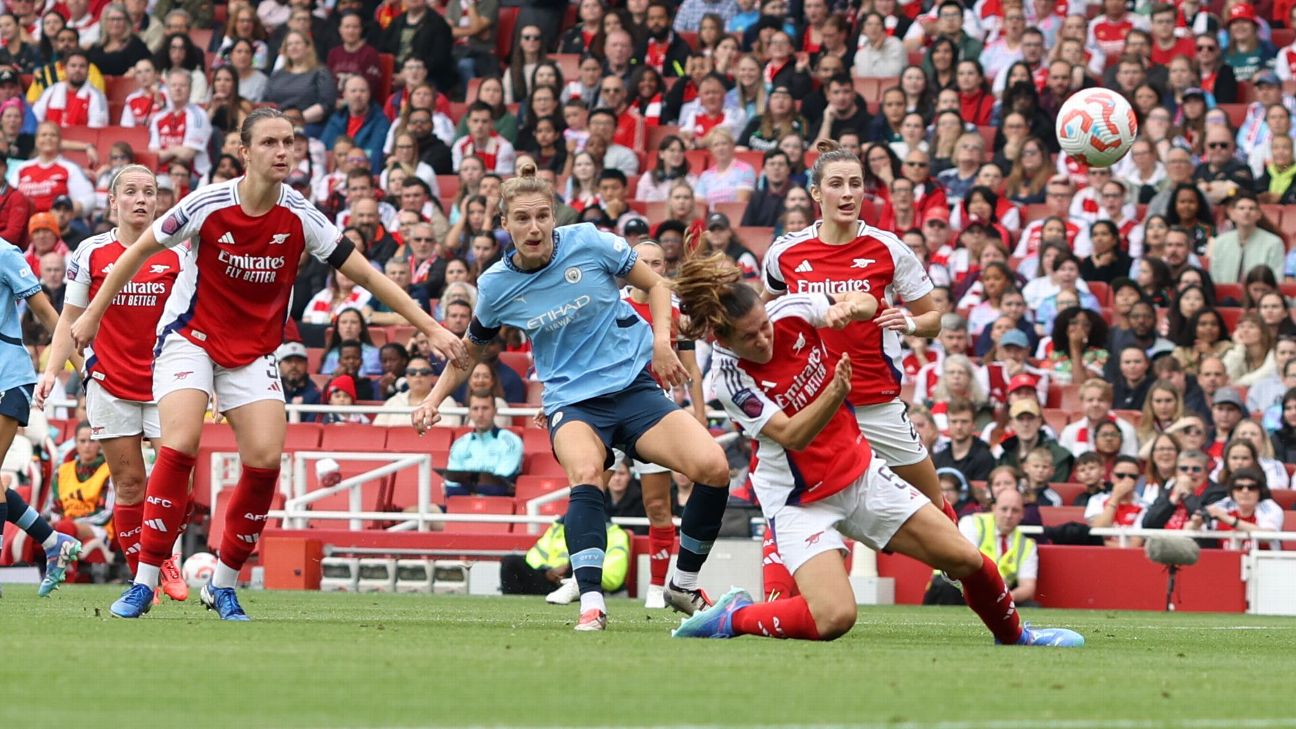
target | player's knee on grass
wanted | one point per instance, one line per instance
(835, 617)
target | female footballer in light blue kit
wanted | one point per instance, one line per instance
(17, 380)
(592, 351)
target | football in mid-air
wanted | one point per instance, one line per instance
(198, 569)
(1097, 126)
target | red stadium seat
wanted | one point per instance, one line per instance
(303, 436)
(504, 31)
(1230, 315)
(1055, 515)
(753, 158)
(536, 440)
(1056, 418)
(478, 505)
(519, 362)
(117, 88)
(404, 491)
(568, 64)
(404, 439)
(1102, 291)
(756, 239)
(734, 210)
(1286, 498)
(1289, 521)
(1068, 491)
(447, 188)
(529, 487)
(658, 133)
(1236, 113)
(353, 437)
(387, 67)
(543, 464)
(314, 358)
(1226, 291)
(1133, 416)
(871, 88)
(1066, 397)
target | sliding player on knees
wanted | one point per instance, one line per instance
(817, 476)
(592, 352)
(655, 480)
(217, 337)
(118, 373)
(841, 253)
(17, 380)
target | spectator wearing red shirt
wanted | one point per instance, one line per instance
(15, 209)
(1165, 44)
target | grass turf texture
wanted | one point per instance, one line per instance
(334, 660)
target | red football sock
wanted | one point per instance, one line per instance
(788, 618)
(166, 505)
(948, 508)
(778, 581)
(661, 544)
(128, 520)
(990, 599)
(252, 498)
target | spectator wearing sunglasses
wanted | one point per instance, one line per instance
(1248, 508)
(1223, 174)
(1119, 507)
(419, 378)
(1185, 495)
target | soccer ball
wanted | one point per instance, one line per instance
(198, 569)
(1097, 126)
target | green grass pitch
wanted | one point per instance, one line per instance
(334, 660)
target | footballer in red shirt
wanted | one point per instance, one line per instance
(217, 337)
(841, 254)
(816, 476)
(119, 369)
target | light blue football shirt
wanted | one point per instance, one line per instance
(17, 283)
(585, 340)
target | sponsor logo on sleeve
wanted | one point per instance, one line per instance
(174, 222)
(747, 401)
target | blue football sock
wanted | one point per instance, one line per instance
(586, 531)
(700, 525)
(26, 517)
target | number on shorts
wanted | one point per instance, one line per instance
(272, 367)
(904, 416)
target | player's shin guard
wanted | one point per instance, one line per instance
(128, 522)
(586, 531)
(164, 510)
(661, 544)
(245, 517)
(699, 527)
(988, 596)
(779, 584)
(788, 618)
(26, 519)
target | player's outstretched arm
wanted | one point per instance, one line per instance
(59, 350)
(666, 363)
(796, 432)
(443, 342)
(925, 318)
(127, 265)
(426, 414)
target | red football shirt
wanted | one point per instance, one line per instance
(796, 376)
(876, 262)
(233, 301)
(122, 358)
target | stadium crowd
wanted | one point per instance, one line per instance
(1119, 339)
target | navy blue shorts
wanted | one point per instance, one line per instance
(16, 403)
(618, 418)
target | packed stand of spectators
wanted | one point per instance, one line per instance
(1100, 322)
